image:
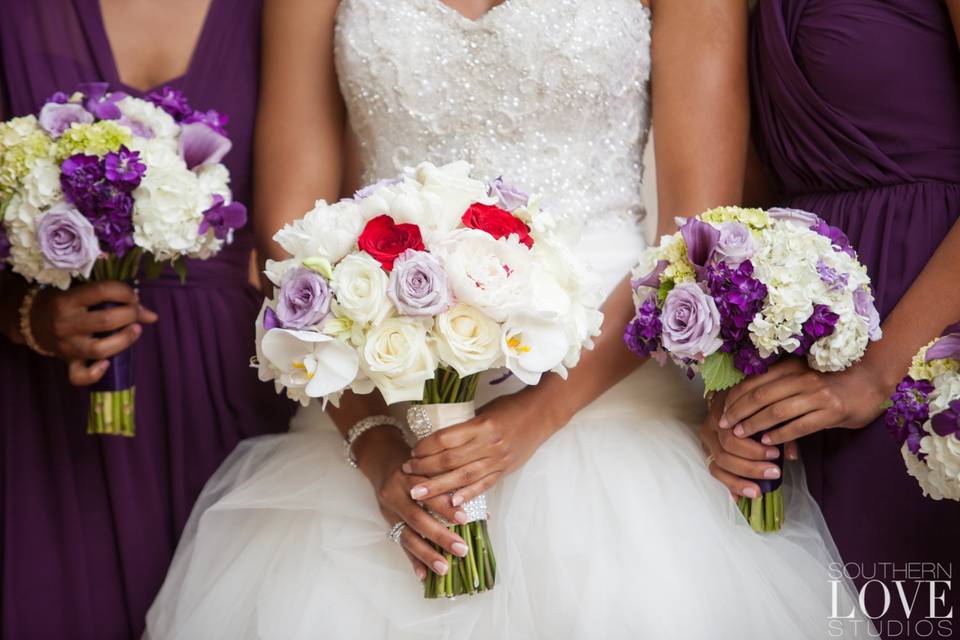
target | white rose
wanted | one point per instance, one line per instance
(360, 287)
(327, 231)
(492, 275)
(398, 359)
(532, 347)
(467, 340)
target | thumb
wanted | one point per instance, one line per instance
(83, 375)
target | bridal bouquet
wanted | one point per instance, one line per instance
(100, 184)
(736, 289)
(924, 416)
(414, 287)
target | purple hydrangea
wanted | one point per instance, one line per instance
(213, 119)
(172, 101)
(123, 169)
(642, 335)
(739, 297)
(831, 277)
(820, 324)
(908, 411)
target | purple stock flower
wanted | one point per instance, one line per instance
(223, 218)
(908, 411)
(55, 117)
(701, 239)
(642, 335)
(820, 324)
(510, 196)
(739, 297)
(747, 360)
(947, 422)
(4, 247)
(124, 169)
(79, 176)
(837, 237)
(199, 145)
(172, 101)
(67, 240)
(304, 299)
(831, 277)
(58, 97)
(106, 203)
(100, 102)
(212, 118)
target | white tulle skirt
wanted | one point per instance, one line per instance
(613, 529)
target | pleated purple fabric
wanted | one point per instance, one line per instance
(90, 523)
(857, 113)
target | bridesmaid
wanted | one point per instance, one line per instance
(90, 523)
(857, 115)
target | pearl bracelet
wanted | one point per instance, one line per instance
(26, 325)
(361, 428)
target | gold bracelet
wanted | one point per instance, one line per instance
(26, 324)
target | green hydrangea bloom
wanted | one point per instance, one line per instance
(922, 370)
(755, 219)
(95, 139)
(21, 142)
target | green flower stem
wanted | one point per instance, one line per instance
(765, 514)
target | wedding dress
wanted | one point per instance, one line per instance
(614, 528)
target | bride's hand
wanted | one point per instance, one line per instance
(380, 453)
(802, 401)
(471, 457)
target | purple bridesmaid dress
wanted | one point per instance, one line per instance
(90, 523)
(857, 113)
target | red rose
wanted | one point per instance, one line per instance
(498, 222)
(384, 239)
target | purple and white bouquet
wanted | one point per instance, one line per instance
(100, 184)
(924, 416)
(414, 287)
(736, 289)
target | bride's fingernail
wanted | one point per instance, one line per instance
(456, 500)
(461, 517)
(459, 549)
(766, 439)
(750, 492)
(440, 567)
(406, 467)
(723, 422)
(738, 431)
(773, 454)
(772, 473)
(418, 492)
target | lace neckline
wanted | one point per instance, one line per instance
(488, 15)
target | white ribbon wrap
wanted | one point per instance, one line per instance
(425, 419)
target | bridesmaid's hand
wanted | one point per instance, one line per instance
(803, 401)
(63, 324)
(471, 457)
(380, 452)
(735, 460)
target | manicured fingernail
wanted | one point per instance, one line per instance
(772, 473)
(772, 454)
(750, 492)
(724, 423)
(406, 467)
(456, 500)
(766, 439)
(440, 567)
(461, 517)
(421, 574)
(459, 549)
(418, 492)
(738, 431)
(103, 366)
(137, 330)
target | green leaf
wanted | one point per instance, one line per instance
(666, 287)
(719, 373)
(180, 267)
(151, 268)
(886, 404)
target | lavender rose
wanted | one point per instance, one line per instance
(735, 244)
(510, 196)
(691, 322)
(805, 218)
(418, 284)
(304, 299)
(55, 118)
(67, 240)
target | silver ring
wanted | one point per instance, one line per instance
(395, 531)
(710, 460)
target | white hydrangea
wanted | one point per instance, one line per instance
(941, 476)
(146, 119)
(845, 345)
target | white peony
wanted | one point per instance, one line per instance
(492, 275)
(398, 359)
(467, 340)
(360, 287)
(327, 231)
(446, 193)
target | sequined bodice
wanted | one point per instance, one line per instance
(551, 93)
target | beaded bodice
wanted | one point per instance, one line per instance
(552, 94)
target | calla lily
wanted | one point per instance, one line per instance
(948, 346)
(701, 239)
(199, 145)
(533, 347)
(316, 361)
(652, 279)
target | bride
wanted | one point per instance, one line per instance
(605, 519)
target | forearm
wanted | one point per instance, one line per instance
(376, 445)
(930, 304)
